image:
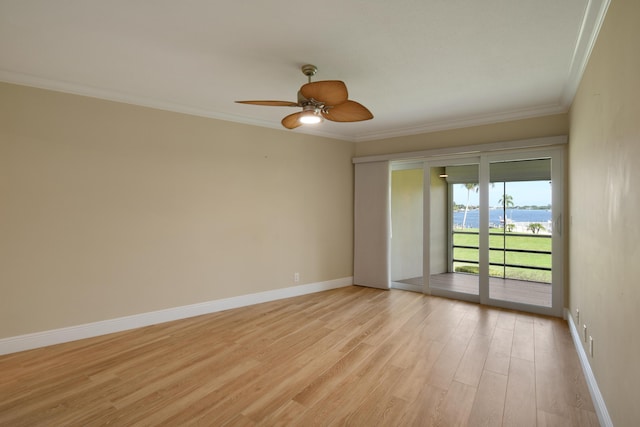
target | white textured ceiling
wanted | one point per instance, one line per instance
(417, 65)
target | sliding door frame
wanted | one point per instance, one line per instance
(545, 147)
(428, 164)
(556, 155)
(484, 160)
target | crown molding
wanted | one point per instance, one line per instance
(110, 95)
(592, 21)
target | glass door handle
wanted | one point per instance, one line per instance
(557, 225)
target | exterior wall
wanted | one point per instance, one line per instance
(406, 219)
(439, 231)
(604, 150)
(109, 210)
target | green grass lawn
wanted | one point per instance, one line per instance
(497, 242)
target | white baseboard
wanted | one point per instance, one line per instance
(88, 330)
(596, 396)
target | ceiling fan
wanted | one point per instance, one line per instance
(326, 99)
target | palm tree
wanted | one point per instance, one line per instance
(507, 201)
(470, 187)
(535, 227)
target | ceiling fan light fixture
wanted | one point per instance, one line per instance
(310, 116)
(320, 101)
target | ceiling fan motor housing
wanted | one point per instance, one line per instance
(309, 70)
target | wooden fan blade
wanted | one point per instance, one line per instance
(292, 120)
(329, 92)
(349, 111)
(271, 103)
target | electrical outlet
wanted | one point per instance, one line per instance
(296, 277)
(584, 330)
(591, 345)
(578, 316)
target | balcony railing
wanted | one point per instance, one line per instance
(512, 243)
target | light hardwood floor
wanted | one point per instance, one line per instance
(352, 356)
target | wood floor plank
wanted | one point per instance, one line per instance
(548, 419)
(337, 408)
(304, 366)
(418, 373)
(506, 320)
(285, 415)
(577, 391)
(520, 402)
(354, 355)
(457, 404)
(523, 339)
(444, 369)
(379, 406)
(472, 363)
(441, 324)
(584, 418)
(554, 395)
(426, 408)
(322, 385)
(499, 356)
(488, 406)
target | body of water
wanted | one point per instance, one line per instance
(496, 217)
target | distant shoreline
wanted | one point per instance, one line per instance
(521, 218)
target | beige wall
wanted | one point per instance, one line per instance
(538, 127)
(108, 209)
(406, 220)
(439, 230)
(604, 172)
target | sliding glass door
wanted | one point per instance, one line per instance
(494, 229)
(524, 250)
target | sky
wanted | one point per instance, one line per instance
(526, 193)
